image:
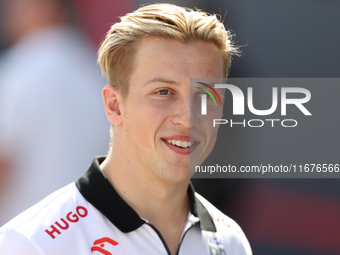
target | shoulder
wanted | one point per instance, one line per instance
(229, 232)
(43, 222)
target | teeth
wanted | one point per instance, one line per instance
(180, 143)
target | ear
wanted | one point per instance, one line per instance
(112, 102)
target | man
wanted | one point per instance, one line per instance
(138, 199)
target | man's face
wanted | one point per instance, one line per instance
(162, 127)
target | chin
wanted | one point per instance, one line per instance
(177, 174)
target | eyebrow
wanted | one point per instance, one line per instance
(161, 79)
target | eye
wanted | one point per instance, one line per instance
(164, 92)
(204, 92)
(207, 95)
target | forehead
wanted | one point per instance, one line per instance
(173, 59)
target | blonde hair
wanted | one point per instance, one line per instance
(116, 54)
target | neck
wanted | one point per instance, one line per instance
(164, 202)
(153, 199)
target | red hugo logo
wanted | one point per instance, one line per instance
(101, 242)
(70, 217)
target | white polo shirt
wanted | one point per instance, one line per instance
(89, 217)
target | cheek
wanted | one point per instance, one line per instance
(144, 118)
(213, 112)
(159, 110)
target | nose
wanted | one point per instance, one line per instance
(185, 114)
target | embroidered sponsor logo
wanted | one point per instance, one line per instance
(215, 240)
(81, 212)
(216, 246)
(101, 242)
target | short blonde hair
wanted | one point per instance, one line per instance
(116, 54)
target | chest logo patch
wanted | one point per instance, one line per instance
(101, 242)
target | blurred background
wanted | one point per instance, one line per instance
(49, 100)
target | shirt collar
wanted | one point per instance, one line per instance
(98, 191)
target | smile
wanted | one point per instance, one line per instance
(179, 143)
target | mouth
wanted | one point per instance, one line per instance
(181, 146)
(180, 143)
